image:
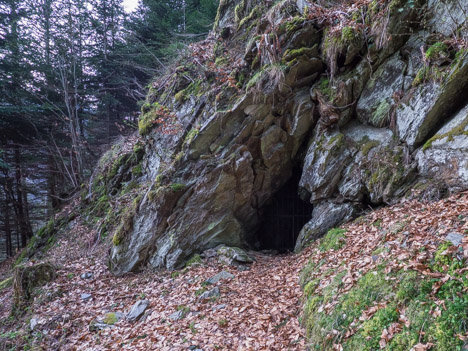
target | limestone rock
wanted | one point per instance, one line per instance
(87, 275)
(455, 238)
(86, 296)
(178, 315)
(448, 16)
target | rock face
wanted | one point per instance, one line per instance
(391, 116)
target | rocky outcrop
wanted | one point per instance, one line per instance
(389, 117)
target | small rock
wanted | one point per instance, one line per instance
(375, 258)
(220, 276)
(86, 297)
(243, 268)
(138, 309)
(87, 275)
(218, 307)
(106, 321)
(178, 315)
(209, 253)
(232, 255)
(209, 294)
(454, 238)
(33, 323)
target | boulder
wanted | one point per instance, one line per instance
(325, 216)
(232, 255)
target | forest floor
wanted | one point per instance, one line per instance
(257, 309)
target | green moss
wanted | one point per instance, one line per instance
(255, 13)
(431, 73)
(180, 96)
(380, 116)
(146, 123)
(348, 34)
(238, 10)
(195, 259)
(436, 50)
(137, 171)
(254, 80)
(292, 54)
(6, 283)
(370, 288)
(177, 186)
(221, 61)
(326, 89)
(334, 239)
(126, 222)
(110, 318)
(190, 136)
(367, 146)
(368, 338)
(291, 25)
(404, 292)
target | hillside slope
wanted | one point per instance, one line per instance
(289, 120)
(389, 280)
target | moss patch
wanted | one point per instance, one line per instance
(435, 310)
(195, 259)
(334, 239)
(6, 283)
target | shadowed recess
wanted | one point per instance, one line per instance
(283, 217)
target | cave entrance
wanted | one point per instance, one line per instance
(283, 217)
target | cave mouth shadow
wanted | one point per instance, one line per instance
(283, 217)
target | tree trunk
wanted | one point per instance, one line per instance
(6, 216)
(24, 226)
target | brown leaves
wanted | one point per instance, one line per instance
(388, 334)
(422, 347)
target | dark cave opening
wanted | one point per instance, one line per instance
(283, 217)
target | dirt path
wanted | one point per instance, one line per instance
(258, 309)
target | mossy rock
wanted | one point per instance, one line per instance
(27, 278)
